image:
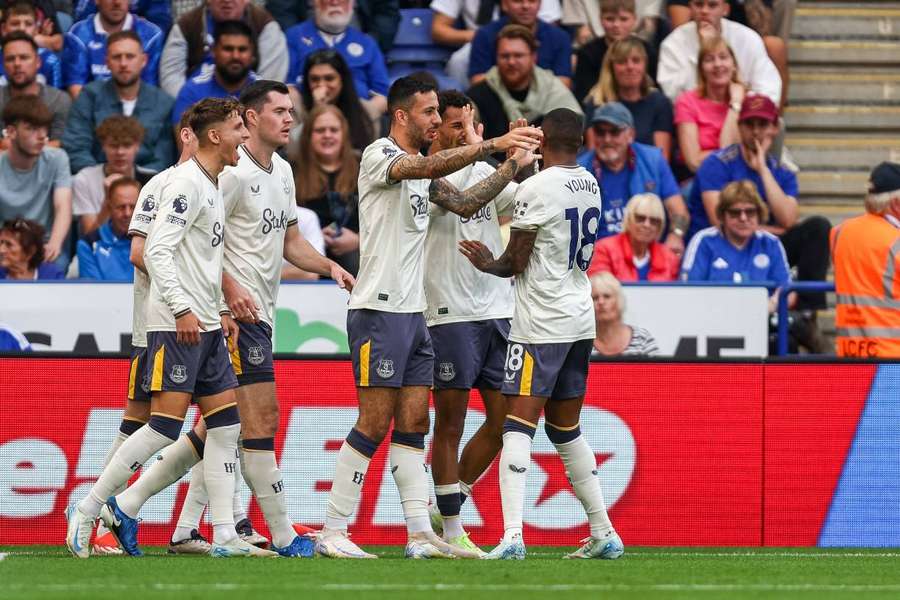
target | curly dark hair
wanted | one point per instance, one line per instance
(361, 133)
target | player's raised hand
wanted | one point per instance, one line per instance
(527, 138)
(478, 254)
(471, 132)
(524, 158)
(187, 329)
(230, 330)
(239, 301)
(344, 279)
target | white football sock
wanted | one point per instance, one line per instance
(238, 511)
(349, 474)
(117, 441)
(173, 462)
(264, 477)
(193, 507)
(219, 466)
(411, 478)
(134, 452)
(581, 467)
(515, 461)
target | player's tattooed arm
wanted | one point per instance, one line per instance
(512, 262)
(466, 203)
(440, 164)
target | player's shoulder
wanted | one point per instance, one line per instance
(383, 146)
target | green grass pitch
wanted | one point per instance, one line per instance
(732, 573)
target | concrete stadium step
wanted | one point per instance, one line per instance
(869, 20)
(842, 117)
(823, 152)
(833, 184)
(852, 52)
(862, 84)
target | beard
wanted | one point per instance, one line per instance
(334, 24)
(232, 77)
(23, 84)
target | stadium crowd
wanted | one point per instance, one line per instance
(682, 103)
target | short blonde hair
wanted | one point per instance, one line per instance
(606, 281)
(650, 204)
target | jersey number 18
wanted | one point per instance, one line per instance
(583, 232)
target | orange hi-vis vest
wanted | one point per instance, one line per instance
(866, 255)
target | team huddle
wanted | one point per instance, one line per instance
(209, 237)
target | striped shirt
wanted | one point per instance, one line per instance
(642, 343)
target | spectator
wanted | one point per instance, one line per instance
(84, 49)
(738, 249)
(325, 174)
(806, 242)
(122, 94)
(614, 337)
(516, 87)
(447, 14)
(330, 28)
(120, 138)
(34, 180)
(553, 45)
(680, 50)
(635, 254)
(379, 18)
(22, 17)
(707, 116)
(22, 254)
(620, 19)
(624, 78)
(47, 32)
(104, 254)
(158, 12)
(233, 55)
(21, 63)
(625, 168)
(586, 17)
(774, 26)
(188, 49)
(327, 80)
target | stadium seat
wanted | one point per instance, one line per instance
(414, 50)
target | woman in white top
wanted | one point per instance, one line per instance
(613, 337)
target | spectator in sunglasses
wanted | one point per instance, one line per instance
(636, 254)
(739, 249)
(22, 252)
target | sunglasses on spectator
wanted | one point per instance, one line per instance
(737, 213)
(641, 219)
(602, 132)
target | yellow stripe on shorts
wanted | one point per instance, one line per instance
(235, 353)
(527, 370)
(159, 360)
(132, 377)
(364, 364)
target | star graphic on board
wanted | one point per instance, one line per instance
(557, 481)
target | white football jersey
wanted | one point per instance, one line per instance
(259, 208)
(393, 219)
(553, 294)
(456, 291)
(184, 251)
(141, 220)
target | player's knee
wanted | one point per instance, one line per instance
(167, 426)
(418, 422)
(517, 425)
(362, 443)
(374, 429)
(449, 426)
(129, 426)
(561, 435)
(222, 416)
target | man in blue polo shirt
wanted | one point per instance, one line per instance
(84, 47)
(233, 53)
(806, 242)
(330, 28)
(555, 45)
(625, 168)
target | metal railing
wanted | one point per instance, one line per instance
(783, 322)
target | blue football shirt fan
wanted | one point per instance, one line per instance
(158, 12)
(12, 340)
(84, 50)
(712, 257)
(204, 85)
(50, 72)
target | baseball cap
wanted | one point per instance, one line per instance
(884, 178)
(760, 107)
(613, 113)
